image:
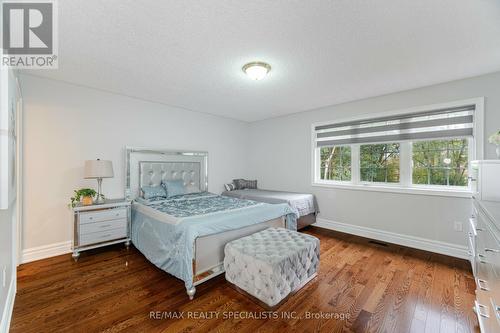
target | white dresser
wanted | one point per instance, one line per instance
(100, 225)
(484, 242)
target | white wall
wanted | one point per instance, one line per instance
(8, 219)
(67, 124)
(280, 155)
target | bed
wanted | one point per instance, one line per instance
(305, 204)
(185, 235)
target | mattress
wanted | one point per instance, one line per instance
(272, 263)
(165, 231)
(303, 203)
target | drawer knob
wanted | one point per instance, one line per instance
(491, 250)
(482, 310)
(482, 285)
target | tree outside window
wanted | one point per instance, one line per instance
(441, 162)
(379, 163)
(335, 163)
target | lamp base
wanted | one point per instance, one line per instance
(99, 199)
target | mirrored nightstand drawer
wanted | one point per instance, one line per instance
(102, 236)
(103, 226)
(104, 215)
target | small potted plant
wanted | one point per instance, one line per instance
(83, 195)
(495, 139)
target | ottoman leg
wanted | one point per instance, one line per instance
(191, 292)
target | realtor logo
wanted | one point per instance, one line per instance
(29, 38)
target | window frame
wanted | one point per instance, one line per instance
(405, 185)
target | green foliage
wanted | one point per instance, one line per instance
(79, 194)
(379, 163)
(335, 163)
(440, 162)
(435, 162)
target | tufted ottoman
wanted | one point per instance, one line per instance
(271, 264)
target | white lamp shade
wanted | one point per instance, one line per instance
(98, 169)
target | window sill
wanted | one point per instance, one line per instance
(466, 193)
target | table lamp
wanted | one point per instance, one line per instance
(97, 169)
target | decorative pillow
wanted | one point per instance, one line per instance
(236, 183)
(174, 187)
(150, 192)
(252, 184)
(230, 187)
(190, 188)
(242, 184)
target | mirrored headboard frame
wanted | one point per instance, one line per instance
(135, 157)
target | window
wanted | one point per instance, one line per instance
(419, 150)
(336, 163)
(441, 162)
(379, 163)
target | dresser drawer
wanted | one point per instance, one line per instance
(104, 215)
(486, 314)
(102, 236)
(494, 258)
(471, 237)
(483, 276)
(487, 243)
(89, 228)
(492, 254)
(471, 245)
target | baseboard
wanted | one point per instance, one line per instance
(46, 251)
(9, 306)
(430, 245)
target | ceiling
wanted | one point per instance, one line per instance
(189, 54)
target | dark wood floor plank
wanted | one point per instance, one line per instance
(370, 287)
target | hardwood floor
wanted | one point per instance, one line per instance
(362, 286)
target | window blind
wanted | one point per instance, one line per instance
(435, 124)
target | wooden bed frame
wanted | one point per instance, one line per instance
(150, 167)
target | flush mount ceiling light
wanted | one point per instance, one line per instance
(256, 70)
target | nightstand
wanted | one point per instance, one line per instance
(101, 225)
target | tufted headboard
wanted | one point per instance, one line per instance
(151, 167)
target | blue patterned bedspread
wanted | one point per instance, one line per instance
(198, 204)
(170, 245)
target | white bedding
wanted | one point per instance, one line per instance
(303, 203)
